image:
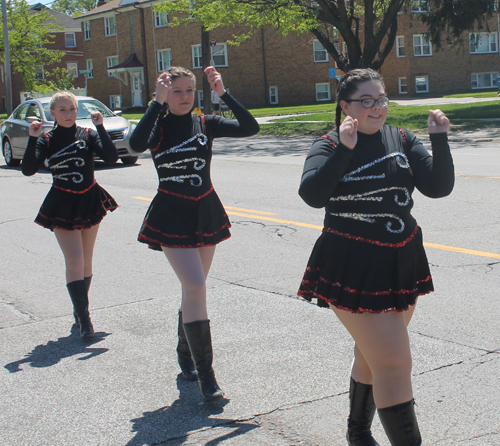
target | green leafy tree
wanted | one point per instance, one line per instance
(368, 27)
(74, 8)
(57, 79)
(29, 36)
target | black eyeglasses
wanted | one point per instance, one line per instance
(370, 102)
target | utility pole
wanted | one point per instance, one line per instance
(8, 78)
(205, 62)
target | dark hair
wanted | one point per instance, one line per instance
(348, 85)
(176, 73)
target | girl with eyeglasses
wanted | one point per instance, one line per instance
(369, 265)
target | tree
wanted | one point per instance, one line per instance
(74, 8)
(368, 27)
(57, 79)
(29, 35)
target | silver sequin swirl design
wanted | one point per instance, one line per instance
(370, 218)
(202, 139)
(367, 196)
(195, 180)
(77, 178)
(401, 159)
(198, 164)
(80, 144)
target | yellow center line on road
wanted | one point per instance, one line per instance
(476, 176)
(310, 226)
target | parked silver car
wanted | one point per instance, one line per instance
(14, 130)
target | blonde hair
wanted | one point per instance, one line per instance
(62, 95)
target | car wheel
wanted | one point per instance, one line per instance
(129, 159)
(7, 154)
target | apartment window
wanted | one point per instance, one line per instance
(70, 40)
(200, 98)
(90, 67)
(219, 55)
(72, 68)
(115, 101)
(161, 19)
(421, 84)
(111, 61)
(421, 46)
(320, 54)
(2, 73)
(273, 95)
(86, 30)
(483, 80)
(483, 43)
(400, 46)
(39, 73)
(110, 26)
(323, 92)
(402, 85)
(163, 59)
(420, 6)
(196, 53)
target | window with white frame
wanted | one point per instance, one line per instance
(323, 92)
(483, 80)
(200, 98)
(420, 6)
(400, 46)
(273, 95)
(421, 84)
(163, 59)
(115, 101)
(72, 68)
(219, 55)
(402, 85)
(111, 61)
(161, 19)
(2, 73)
(483, 43)
(421, 46)
(39, 73)
(110, 26)
(90, 67)
(86, 30)
(196, 53)
(320, 53)
(70, 40)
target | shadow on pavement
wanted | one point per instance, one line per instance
(51, 353)
(170, 425)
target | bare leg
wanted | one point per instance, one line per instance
(382, 339)
(72, 247)
(191, 265)
(89, 237)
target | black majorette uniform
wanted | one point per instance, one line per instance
(186, 211)
(75, 200)
(370, 256)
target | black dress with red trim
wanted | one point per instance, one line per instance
(186, 211)
(370, 256)
(75, 200)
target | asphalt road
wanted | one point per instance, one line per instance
(283, 363)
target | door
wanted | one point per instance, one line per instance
(136, 88)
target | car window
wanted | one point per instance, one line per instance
(20, 113)
(33, 111)
(46, 111)
(87, 107)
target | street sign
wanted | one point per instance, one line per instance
(85, 72)
(213, 42)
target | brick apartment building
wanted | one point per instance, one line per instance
(68, 40)
(137, 43)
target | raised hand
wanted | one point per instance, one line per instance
(437, 122)
(163, 87)
(35, 128)
(215, 80)
(348, 132)
(97, 118)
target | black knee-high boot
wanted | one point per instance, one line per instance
(361, 412)
(87, 280)
(79, 296)
(400, 424)
(184, 354)
(200, 343)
